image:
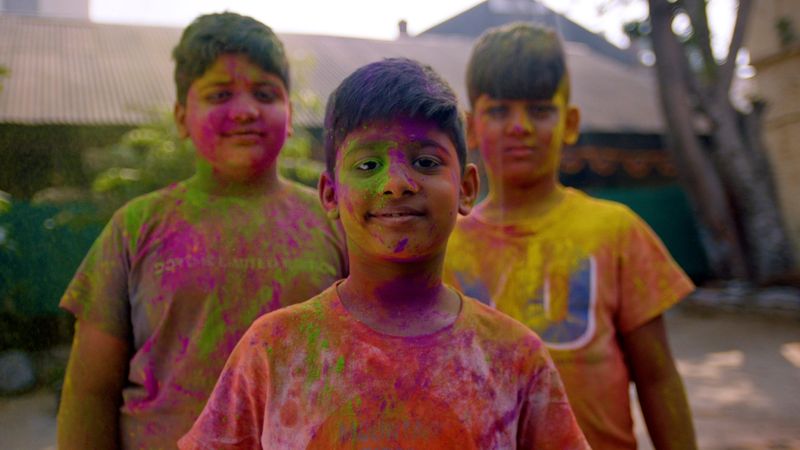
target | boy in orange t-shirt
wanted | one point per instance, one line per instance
(587, 275)
(390, 357)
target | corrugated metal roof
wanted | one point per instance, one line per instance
(76, 72)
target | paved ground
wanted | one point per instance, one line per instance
(742, 373)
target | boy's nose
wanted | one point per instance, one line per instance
(400, 180)
(243, 109)
(519, 123)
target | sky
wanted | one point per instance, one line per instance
(377, 19)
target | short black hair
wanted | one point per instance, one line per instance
(389, 89)
(518, 61)
(212, 35)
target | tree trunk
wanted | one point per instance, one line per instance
(738, 171)
(719, 235)
(767, 244)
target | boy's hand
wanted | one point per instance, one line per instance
(659, 387)
(89, 413)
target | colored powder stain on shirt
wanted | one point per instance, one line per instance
(312, 357)
(401, 245)
(310, 329)
(212, 331)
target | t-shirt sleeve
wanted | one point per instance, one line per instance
(650, 280)
(546, 419)
(98, 293)
(233, 418)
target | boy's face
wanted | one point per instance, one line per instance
(520, 141)
(398, 189)
(238, 117)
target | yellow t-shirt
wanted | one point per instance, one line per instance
(578, 276)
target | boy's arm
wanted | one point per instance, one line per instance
(233, 417)
(546, 419)
(659, 387)
(89, 413)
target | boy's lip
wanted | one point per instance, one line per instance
(520, 148)
(244, 132)
(396, 214)
(520, 151)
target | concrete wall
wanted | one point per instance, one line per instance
(776, 58)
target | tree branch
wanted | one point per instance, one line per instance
(728, 67)
(699, 19)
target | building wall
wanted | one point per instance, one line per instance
(773, 39)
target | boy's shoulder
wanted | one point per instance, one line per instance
(295, 319)
(581, 203)
(146, 205)
(578, 214)
(498, 327)
(301, 193)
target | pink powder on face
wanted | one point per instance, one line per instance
(229, 121)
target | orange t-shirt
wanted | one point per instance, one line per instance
(311, 376)
(578, 276)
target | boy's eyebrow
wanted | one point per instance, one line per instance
(383, 144)
(220, 80)
(364, 144)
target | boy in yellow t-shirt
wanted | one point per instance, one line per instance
(587, 275)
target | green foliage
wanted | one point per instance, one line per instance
(145, 159)
(786, 32)
(3, 73)
(295, 161)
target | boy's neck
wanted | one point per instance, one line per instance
(399, 299)
(206, 179)
(511, 203)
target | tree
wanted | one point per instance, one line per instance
(718, 149)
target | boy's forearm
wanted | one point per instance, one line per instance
(87, 421)
(88, 416)
(666, 412)
(659, 387)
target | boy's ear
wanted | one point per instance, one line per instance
(327, 195)
(179, 114)
(472, 139)
(469, 189)
(572, 125)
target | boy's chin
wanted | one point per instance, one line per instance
(243, 173)
(411, 255)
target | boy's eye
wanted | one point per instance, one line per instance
(497, 111)
(367, 165)
(265, 95)
(427, 162)
(541, 112)
(218, 96)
